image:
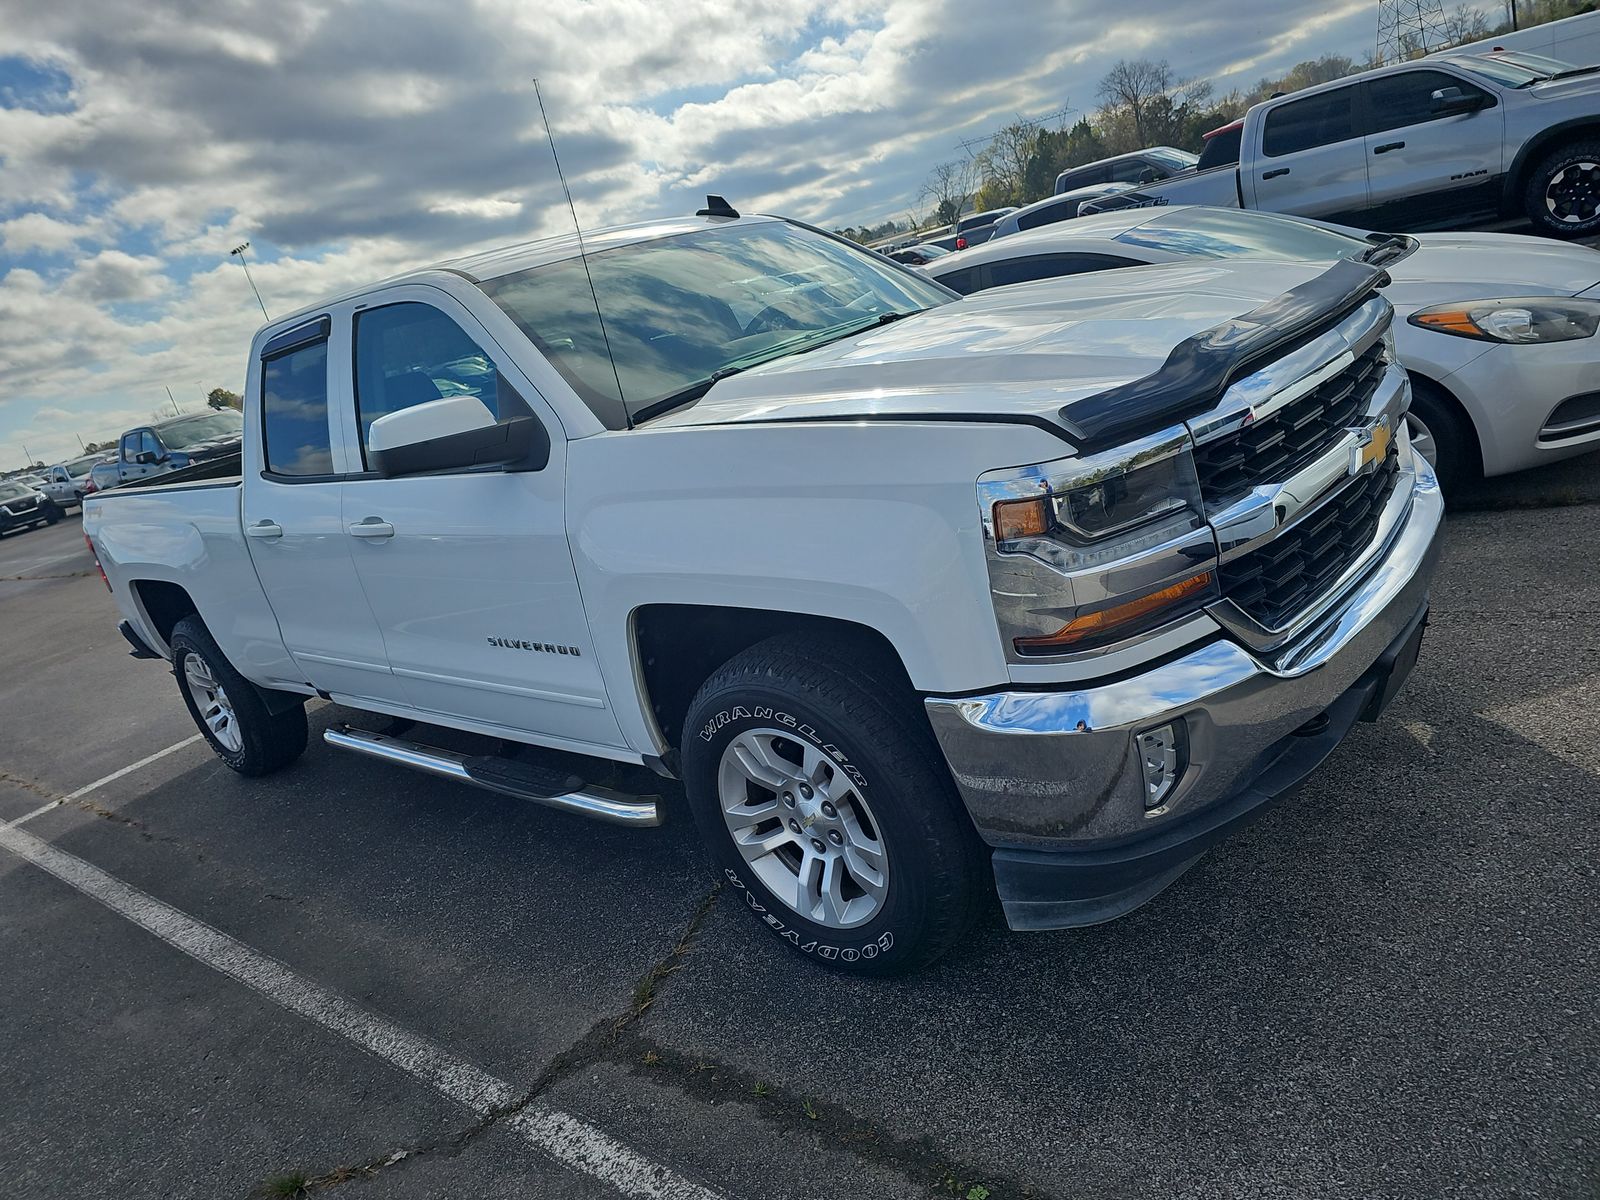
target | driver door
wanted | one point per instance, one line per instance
(468, 570)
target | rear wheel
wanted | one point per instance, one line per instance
(1563, 193)
(826, 803)
(227, 708)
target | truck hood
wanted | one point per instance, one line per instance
(1567, 89)
(1478, 266)
(1033, 349)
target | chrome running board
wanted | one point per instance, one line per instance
(504, 775)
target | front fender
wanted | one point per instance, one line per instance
(876, 524)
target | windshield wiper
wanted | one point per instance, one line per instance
(684, 396)
(1573, 71)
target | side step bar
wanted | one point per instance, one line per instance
(503, 775)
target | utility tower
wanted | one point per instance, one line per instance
(1409, 29)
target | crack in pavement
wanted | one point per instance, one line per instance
(592, 1046)
(32, 578)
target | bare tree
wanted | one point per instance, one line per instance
(1004, 161)
(1464, 24)
(1132, 85)
(947, 187)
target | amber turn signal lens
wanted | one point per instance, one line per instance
(1454, 321)
(1015, 519)
(1101, 626)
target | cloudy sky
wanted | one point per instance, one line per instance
(140, 141)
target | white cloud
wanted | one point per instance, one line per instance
(350, 140)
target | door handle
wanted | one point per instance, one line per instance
(1388, 146)
(372, 527)
(264, 529)
(1275, 174)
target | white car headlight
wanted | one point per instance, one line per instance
(1517, 321)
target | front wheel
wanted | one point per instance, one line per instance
(52, 513)
(228, 710)
(826, 804)
(1563, 193)
(1440, 435)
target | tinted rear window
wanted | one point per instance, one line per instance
(1315, 121)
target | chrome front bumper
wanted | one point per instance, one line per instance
(1057, 771)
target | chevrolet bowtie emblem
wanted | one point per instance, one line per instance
(1373, 450)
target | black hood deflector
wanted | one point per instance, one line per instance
(1200, 368)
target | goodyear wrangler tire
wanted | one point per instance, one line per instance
(828, 809)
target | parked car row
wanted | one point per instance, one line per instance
(1497, 331)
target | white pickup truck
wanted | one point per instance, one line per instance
(1040, 591)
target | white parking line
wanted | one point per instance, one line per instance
(111, 778)
(574, 1143)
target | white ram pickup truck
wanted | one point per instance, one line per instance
(1041, 591)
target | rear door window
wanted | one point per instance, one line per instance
(294, 411)
(964, 281)
(1052, 266)
(1319, 120)
(1048, 214)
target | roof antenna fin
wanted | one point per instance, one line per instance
(583, 256)
(716, 206)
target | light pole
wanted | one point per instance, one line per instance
(176, 411)
(238, 251)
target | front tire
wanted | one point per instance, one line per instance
(1441, 435)
(228, 709)
(52, 514)
(828, 809)
(1563, 194)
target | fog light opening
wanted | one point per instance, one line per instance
(1161, 759)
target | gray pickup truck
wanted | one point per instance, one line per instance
(1418, 145)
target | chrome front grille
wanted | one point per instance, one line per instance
(1272, 448)
(1276, 581)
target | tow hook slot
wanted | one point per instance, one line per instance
(1316, 725)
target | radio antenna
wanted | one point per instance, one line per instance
(583, 256)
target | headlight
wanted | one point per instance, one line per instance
(1519, 321)
(1092, 551)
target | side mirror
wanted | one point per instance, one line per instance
(144, 458)
(454, 433)
(1149, 175)
(1450, 100)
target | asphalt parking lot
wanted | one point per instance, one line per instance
(392, 986)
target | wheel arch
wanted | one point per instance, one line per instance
(1422, 382)
(162, 604)
(1533, 152)
(677, 647)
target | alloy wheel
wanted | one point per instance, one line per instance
(801, 825)
(210, 698)
(1573, 193)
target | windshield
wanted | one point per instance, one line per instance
(14, 491)
(191, 431)
(1177, 160)
(1230, 233)
(680, 310)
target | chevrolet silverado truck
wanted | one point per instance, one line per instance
(1427, 144)
(1041, 591)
